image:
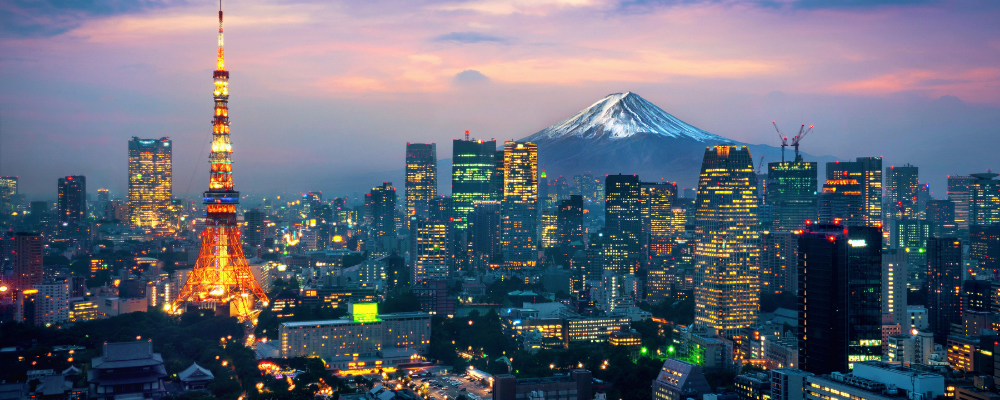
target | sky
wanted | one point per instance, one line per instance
(324, 95)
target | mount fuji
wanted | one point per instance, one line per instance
(625, 133)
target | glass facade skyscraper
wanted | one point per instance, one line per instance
(984, 199)
(958, 192)
(839, 297)
(944, 280)
(520, 205)
(473, 170)
(150, 182)
(421, 177)
(727, 242)
(868, 172)
(622, 223)
(791, 193)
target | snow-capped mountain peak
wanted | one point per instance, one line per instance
(620, 116)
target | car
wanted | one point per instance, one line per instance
(461, 389)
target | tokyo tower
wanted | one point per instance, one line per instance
(221, 278)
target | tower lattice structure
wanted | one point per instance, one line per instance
(221, 275)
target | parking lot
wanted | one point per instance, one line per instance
(449, 387)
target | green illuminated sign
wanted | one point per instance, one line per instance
(365, 312)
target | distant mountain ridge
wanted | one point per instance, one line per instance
(625, 133)
(621, 116)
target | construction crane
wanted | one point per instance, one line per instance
(760, 165)
(795, 140)
(784, 140)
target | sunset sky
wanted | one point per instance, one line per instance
(326, 94)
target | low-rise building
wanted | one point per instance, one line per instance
(577, 385)
(679, 380)
(364, 341)
(753, 386)
(126, 369)
(788, 383)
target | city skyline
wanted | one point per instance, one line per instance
(881, 89)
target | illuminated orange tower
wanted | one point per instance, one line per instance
(221, 277)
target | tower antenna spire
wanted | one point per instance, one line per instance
(221, 63)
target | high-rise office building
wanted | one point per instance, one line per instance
(548, 226)
(984, 199)
(520, 205)
(839, 297)
(657, 199)
(622, 222)
(484, 228)
(901, 185)
(150, 182)
(8, 188)
(473, 170)
(569, 219)
(791, 193)
(777, 262)
(894, 273)
(910, 234)
(842, 202)
(941, 215)
(27, 260)
(421, 177)
(727, 242)
(868, 172)
(958, 193)
(497, 176)
(381, 204)
(431, 250)
(72, 203)
(944, 281)
(256, 230)
(984, 246)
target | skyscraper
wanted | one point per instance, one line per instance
(984, 199)
(894, 273)
(150, 182)
(658, 199)
(28, 252)
(984, 246)
(520, 205)
(473, 168)
(727, 242)
(868, 172)
(842, 202)
(944, 281)
(570, 225)
(256, 230)
(839, 297)
(777, 262)
(901, 191)
(221, 277)
(941, 215)
(431, 250)
(791, 193)
(484, 229)
(381, 203)
(958, 193)
(8, 188)
(421, 177)
(622, 223)
(72, 203)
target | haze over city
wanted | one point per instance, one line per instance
(327, 93)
